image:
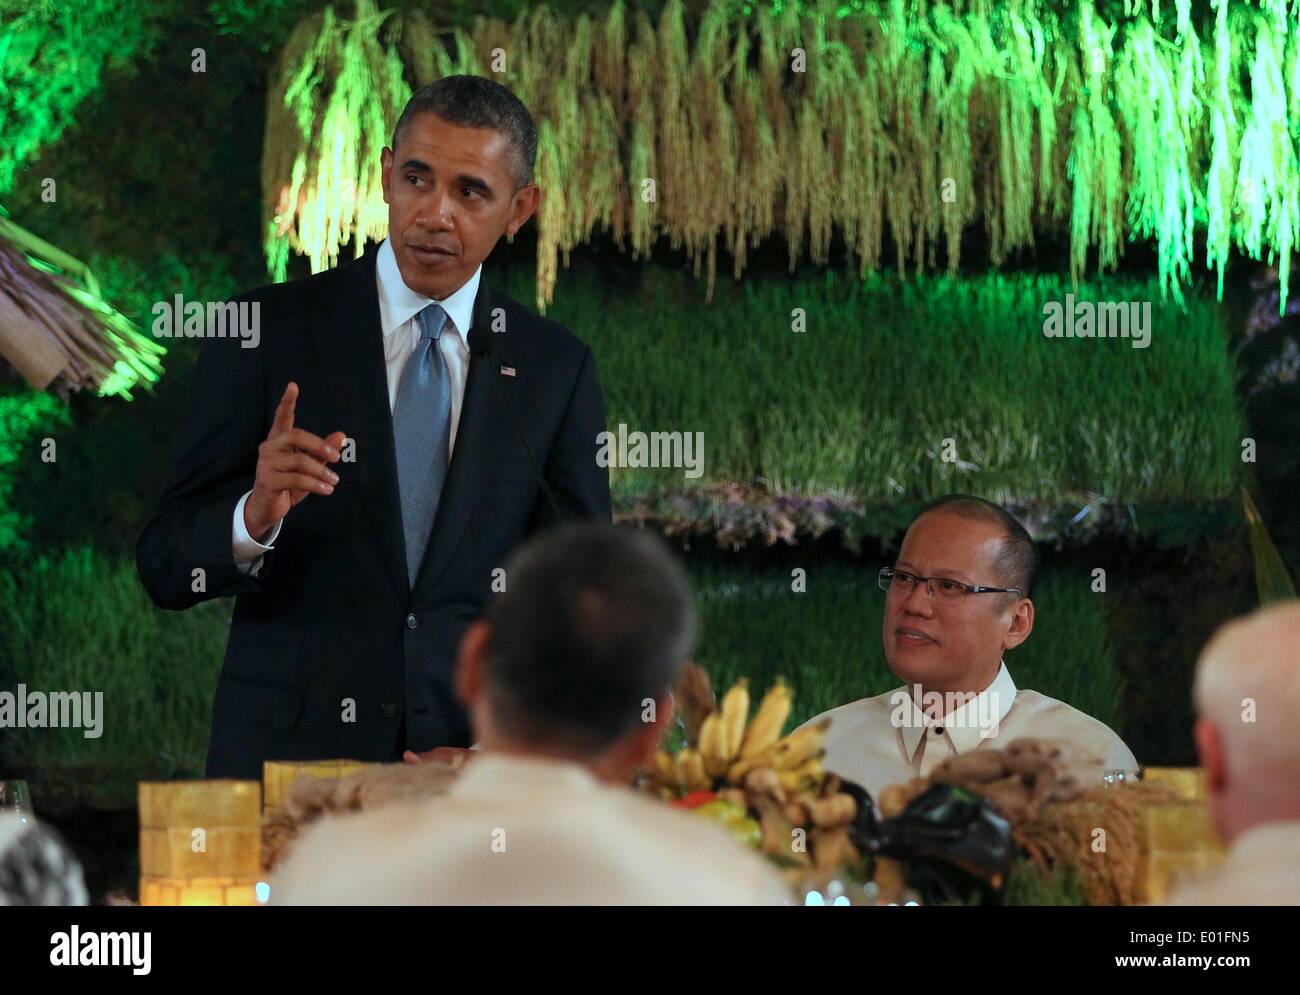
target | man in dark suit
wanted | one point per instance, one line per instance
(358, 480)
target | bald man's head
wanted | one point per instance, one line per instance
(1247, 693)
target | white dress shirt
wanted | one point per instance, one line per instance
(398, 307)
(888, 739)
(525, 831)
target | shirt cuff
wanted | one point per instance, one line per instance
(248, 551)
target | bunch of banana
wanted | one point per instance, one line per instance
(680, 773)
(768, 722)
(688, 766)
(796, 758)
(723, 731)
(728, 747)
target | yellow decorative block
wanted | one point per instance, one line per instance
(155, 892)
(1178, 839)
(221, 851)
(200, 842)
(1181, 827)
(242, 894)
(278, 776)
(206, 804)
(1189, 782)
(198, 891)
(1164, 871)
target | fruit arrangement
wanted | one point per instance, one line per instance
(769, 789)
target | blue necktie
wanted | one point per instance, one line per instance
(422, 435)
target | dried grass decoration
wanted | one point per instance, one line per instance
(914, 120)
(1064, 835)
(55, 328)
(1042, 787)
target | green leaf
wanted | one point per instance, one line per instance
(1272, 579)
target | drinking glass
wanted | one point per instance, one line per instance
(16, 798)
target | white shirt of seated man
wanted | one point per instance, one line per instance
(944, 637)
(526, 823)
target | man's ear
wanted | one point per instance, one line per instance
(651, 733)
(385, 170)
(1022, 624)
(469, 662)
(1209, 747)
(525, 205)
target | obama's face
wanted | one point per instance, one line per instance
(451, 195)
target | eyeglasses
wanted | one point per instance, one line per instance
(901, 582)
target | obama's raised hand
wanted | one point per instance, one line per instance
(291, 464)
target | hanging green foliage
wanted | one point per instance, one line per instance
(914, 121)
(338, 92)
(23, 417)
(52, 56)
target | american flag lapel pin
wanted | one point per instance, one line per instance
(509, 371)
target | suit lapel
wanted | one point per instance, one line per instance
(483, 425)
(350, 343)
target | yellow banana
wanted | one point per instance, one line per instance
(735, 712)
(663, 769)
(803, 777)
(713, 740)
(739, 769)
(768, 722)
(801, 744)
(690, 771)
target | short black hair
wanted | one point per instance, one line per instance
(594, 620)
(1018, 560)
(478, 102)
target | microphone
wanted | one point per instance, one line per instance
(482, 345)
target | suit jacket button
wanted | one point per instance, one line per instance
(389, 709)
(412, 621)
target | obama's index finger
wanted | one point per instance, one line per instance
(284, 410)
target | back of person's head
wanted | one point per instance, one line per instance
(595, 622)
(1247, 693)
